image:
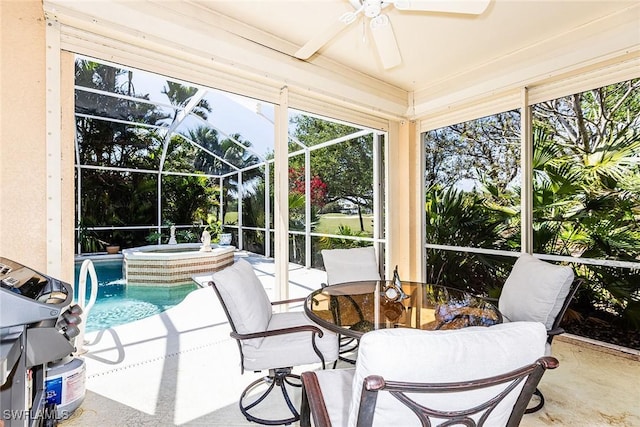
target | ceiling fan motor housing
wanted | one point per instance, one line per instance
(372, 8)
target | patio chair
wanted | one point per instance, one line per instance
(269, 341)
(349, 265)
(538, 291)
(475, 376)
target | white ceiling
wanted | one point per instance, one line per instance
(434, 46)
(447, 59)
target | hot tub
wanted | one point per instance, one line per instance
(172, 265)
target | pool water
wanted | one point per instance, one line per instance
(118, 303)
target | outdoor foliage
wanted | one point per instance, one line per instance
(586, 195)
(339, 243)
(456, 218)
(343, 172)
(132, 142)
(130, 163)
(317, 187)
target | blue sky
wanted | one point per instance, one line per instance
(230, 113)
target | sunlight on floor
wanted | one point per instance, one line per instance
(182, 368)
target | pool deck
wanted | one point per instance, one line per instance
(181, 368)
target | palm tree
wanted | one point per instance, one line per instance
(587, 187)
(179, 95)
(114, 198)
(454, 217)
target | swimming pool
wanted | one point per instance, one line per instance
(118, 303)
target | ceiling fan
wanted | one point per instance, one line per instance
(381, 29)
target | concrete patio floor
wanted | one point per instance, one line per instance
(182, 368)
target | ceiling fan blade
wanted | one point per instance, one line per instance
(472, 7)
(385, 41)
(313, 45)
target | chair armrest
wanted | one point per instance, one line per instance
(287, 301)
(552, 333)
(549, 362)
(555, 331)
(313, 402)
(283, 331)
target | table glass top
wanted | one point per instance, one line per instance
(358, 307)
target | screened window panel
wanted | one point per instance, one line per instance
(127, 81)
(312, 130)
(607, 292)
(472, 183)
(230, 201)
(297, 213)
(587, 175)
(317, 245)
(113, 198)
(342, 187)
(239, 115)
(297, 249)
(481, 274)
(112, 106)
(253, 241)
(324, 242)
(198, 151)
(253, 201)
(109, 144)
(189, 200)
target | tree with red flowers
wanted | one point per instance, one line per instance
(346, 168)
(318, 187)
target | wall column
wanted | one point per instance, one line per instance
(36, 142)
(404, 198)
(23, 211)
(281, 192)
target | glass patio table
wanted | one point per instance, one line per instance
(354, 308)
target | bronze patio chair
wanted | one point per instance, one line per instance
(269, 341)
(475, 376)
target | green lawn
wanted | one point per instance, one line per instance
(328, 224)
(230, 218)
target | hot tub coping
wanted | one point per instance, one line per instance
(149, 266)
(152, 252)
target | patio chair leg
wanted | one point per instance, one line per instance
(539, 405)
(347, 345)
(281, 377)
(346, 359)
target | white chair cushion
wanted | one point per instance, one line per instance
(349, 265)
(444, 356)
(535, 291)
(288, 350)
(245, 299)
(336, 392)
(547, 346)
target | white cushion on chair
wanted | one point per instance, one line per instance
(294, 349)
(444, 356)
(245, 299)
(336, 387)
(350, 265)
(535, 290)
